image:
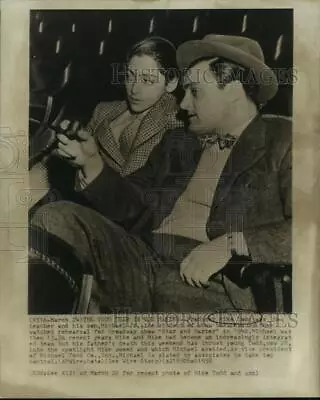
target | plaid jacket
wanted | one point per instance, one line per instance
(159, 119)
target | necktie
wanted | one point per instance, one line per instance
(224, 141)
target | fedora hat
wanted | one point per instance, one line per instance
(241, 50)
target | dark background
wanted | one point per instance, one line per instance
(81, 32)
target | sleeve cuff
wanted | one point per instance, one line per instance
(84, 179)
(237, 244)
(80, 181)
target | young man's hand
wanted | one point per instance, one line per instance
(80, 151)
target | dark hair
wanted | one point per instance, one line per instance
(226, 71)
(162, 51)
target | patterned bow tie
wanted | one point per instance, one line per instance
(224, 141)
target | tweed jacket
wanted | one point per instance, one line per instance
(160, 118)
(253, 194)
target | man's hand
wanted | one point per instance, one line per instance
(79, 150)
(209, 258)
(204, 261)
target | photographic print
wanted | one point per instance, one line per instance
(160, 144)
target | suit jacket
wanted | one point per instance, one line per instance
(160, 118)
(253, 195)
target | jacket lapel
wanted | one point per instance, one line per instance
(108, 146)
(155, 120)
(248, 150)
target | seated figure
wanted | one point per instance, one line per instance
(169, 237)
(127, 131)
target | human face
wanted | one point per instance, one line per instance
(206, 104)
(144, 84)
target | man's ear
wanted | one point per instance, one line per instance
(171, 85)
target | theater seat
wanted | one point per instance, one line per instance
(57, 282)
(89, 41)
(271, 286)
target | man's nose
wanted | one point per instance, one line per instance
(134, 88)
(185, 104)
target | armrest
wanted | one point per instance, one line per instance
(58, 283)
(271, 284)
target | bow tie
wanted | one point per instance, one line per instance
(224, 141)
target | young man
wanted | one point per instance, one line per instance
(185, 233)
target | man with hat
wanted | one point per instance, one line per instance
(233, 213)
